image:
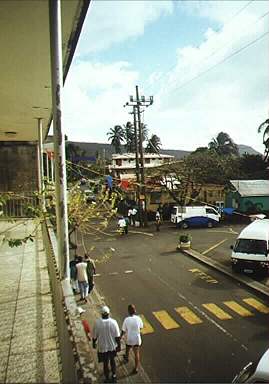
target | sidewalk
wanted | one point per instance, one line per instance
(28, 337)
(95, 302)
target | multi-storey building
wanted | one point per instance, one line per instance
(123, 165)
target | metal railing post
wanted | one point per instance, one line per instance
(41, 186)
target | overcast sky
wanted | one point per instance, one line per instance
(205, 62)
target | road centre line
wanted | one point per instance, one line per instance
(220, 231)
(213, 247)
(201, 312)
(143, 233)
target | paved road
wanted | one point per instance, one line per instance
(200, 325)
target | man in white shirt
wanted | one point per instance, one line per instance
(132, 326)
(82, 278)
(134, 212)
(123, 225)
(107, 334)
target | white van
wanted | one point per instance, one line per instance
(255, 372)
(251, 251)
(192, 216)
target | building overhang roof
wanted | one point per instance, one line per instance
(25, 92)
(251, 187)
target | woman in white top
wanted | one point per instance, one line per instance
(132, 326)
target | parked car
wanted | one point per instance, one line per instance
(251, 250)
(195, 216)
(255, 372)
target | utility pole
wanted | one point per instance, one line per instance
(136, 104)
(136, 156)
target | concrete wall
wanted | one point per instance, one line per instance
(18, 166)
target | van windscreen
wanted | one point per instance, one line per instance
(253, 246)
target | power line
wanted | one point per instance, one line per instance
(221, 62)
(228, 44)
(217, 30)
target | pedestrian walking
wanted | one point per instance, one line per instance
(132, 326)
(130, 213)
(122, 225)
(158, 220)
(85, 323)
(82, 278)
(91, 271)
(134, 212)
(106, 334)
(73, 274)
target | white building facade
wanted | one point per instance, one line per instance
(123, 165)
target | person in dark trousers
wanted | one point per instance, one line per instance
(73, 274)
(160, 209)
(106, 334)
(91, 271)
(158, 220)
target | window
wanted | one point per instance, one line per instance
(147, 161)
(211, 210)
(253, 246)
(118, 162)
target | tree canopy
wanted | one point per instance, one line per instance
(154, 144)
(264, 127)
(116, 136)
(223, 145)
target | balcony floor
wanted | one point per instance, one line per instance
(28, 337)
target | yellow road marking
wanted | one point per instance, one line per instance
(213, 247)
(257, 305)
(238, 308)
(204, 276)
(194, 270)
(188, 315)
(212, 281)
(166, 320)
(217, 311)
(147, 327)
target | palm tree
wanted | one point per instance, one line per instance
(265, 128)
(144, 131)
(129, 136)
(154, 144)
(223, 145)
(116, 136)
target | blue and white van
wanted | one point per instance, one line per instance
(195, 216)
